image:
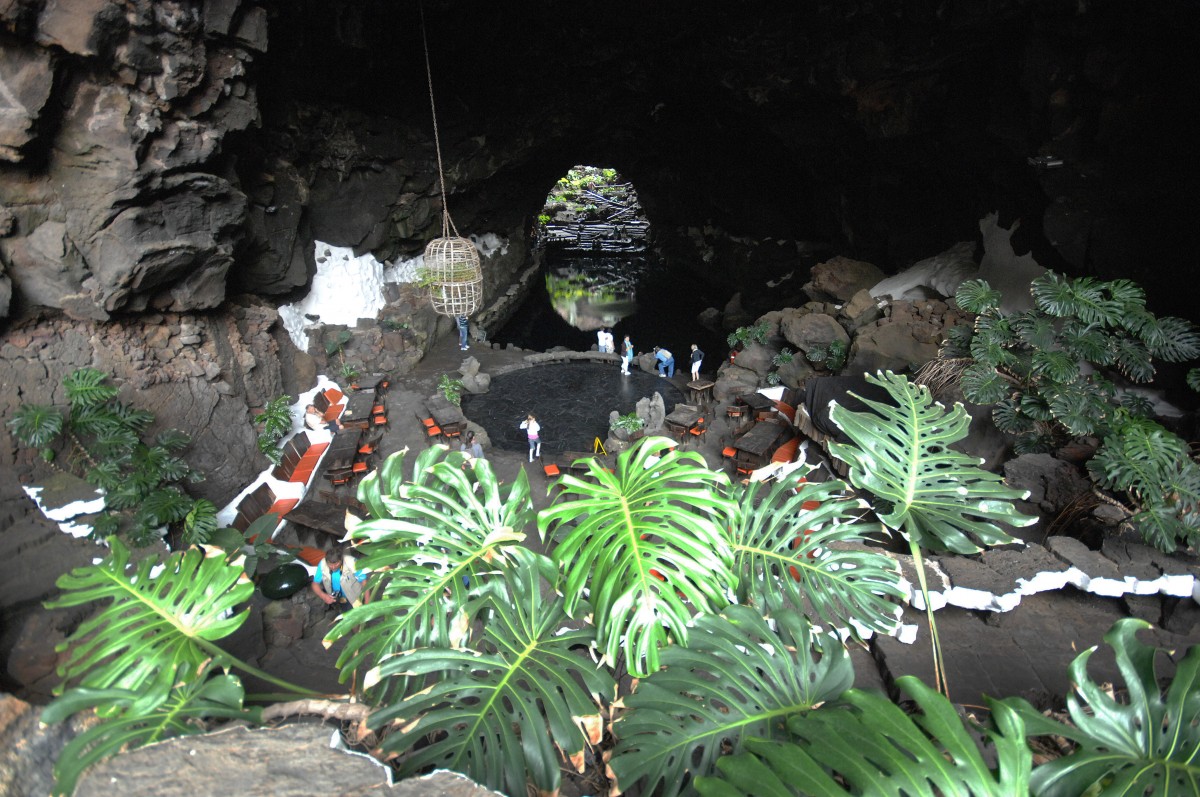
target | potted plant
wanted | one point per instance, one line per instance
(629, 426)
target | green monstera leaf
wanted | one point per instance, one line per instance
(865, 745)
(431, 537)
(1146, 745)
(508, 707)
(179, 712)
(738, 677)
(648, 543)
(799, 545)
(157, 623)
(901, 454)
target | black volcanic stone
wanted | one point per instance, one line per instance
(570, 400)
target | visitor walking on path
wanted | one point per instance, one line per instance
(697, 358)
(463, 328)
(626, 356)
(532, 430)
(666, 362)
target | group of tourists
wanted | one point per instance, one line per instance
(665, 361)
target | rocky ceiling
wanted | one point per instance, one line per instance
(165, 155)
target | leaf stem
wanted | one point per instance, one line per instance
(939, 662)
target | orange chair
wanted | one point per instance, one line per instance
(551, 471)
(379, 409)
(360, 469)
(699, 429)
(366, 449)
(334, 412)
(381, 421)
(729, 452)
(333, 395)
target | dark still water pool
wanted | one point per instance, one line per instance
(632, 295)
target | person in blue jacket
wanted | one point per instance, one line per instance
(666, 362)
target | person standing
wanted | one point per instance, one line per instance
(666, 362)
(463, 328)
(697, 358)
(533, 431)
(626, 356)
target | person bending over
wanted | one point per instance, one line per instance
(336, 582)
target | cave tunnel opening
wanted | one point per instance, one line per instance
(600, 271)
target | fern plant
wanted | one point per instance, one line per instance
(100, 439)
(751, 334)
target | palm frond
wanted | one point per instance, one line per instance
(200, 523)
(865, 745)
(1036, 331)
(85, 388)
(1132, 359)
(981, 384)
(901, 453)
(798, 546)
(1088, 342)
(1147, 745)
(958, 341)
(1009, 419)
(165, 506)
(1172, 339)
(430, 538)
(1081, 409)
(134, 419)
(1155, 467)
(172, 440)
(501, 710)
(1057, 366)
(977, 296)
(179, 712)
(648, 543)
(154, 626)
(36, 425)
(740, 676)
(1083, 298)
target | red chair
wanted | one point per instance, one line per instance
(359, 469)
(379, 409)
(729, 452)
(551, 471)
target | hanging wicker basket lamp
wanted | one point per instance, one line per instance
(451, 269)
(454, 276)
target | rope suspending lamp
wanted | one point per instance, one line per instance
(452, 269)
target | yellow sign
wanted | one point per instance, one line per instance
(598, 447)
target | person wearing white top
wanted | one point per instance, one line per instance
(532, 429)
